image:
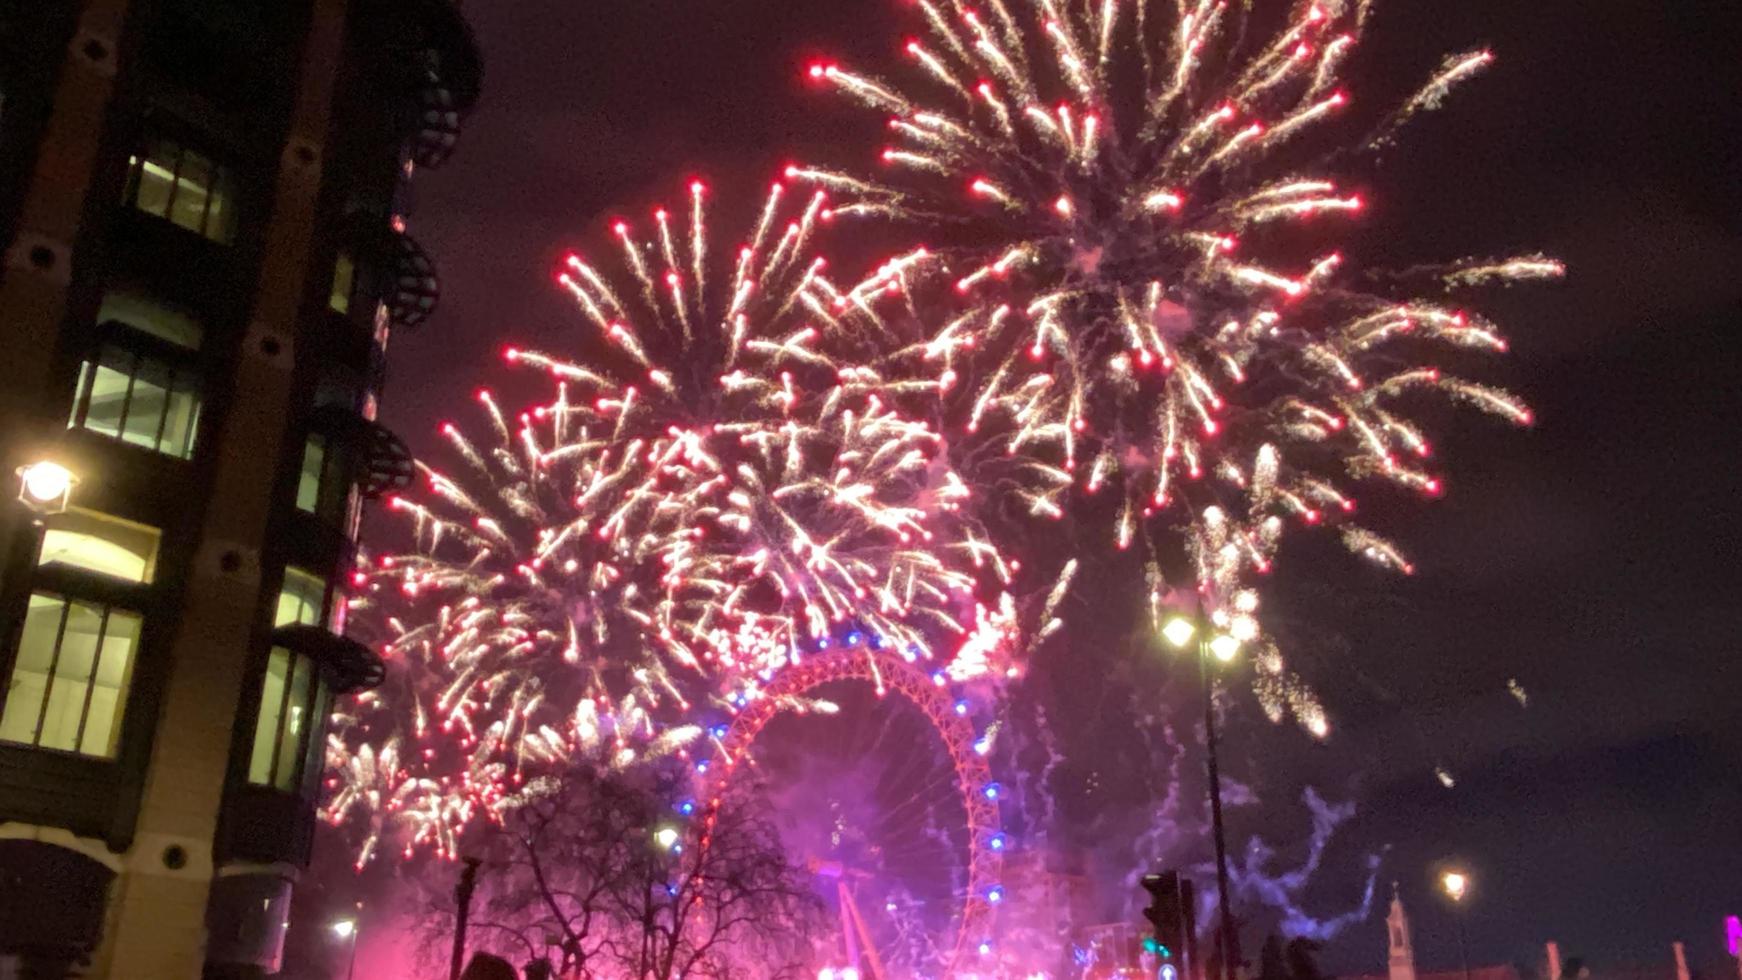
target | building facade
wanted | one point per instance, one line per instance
(1400, 956)
(202, 214)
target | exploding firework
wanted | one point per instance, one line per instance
(1136, 228)
(675, 527)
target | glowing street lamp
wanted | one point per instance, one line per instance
(1179, 631)
(1224, 647)
(46, 486)
(347, 929)
(1456, 884)
(665, 837)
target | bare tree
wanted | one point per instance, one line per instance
(597, 875)
(553, 866)
(725, 901)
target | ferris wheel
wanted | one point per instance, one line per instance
(911, 844)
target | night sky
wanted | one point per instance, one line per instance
(1591, 557)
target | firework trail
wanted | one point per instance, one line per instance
(1138, 211)
(1282, 890)
(685, 516)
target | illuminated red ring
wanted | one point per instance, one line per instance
(888, 672)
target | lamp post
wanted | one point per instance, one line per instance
(463, 890)
(1456, 884)
(348, 929)
(1179, 631)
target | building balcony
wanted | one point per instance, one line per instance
(270, 818)
(407, 280)
(379, 462)
(436, 63)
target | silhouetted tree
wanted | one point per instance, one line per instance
(1271, 964)
(1302, 956)
(487, 967)
(595, 874)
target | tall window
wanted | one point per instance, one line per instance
(310, 478)
(293, 698)
(321, 485)
(69, 682)
(142, 386)
(344, 283)
(74, 654)
(183, 187)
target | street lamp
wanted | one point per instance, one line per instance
(1179, 630)
(46, 486)
(347, 929)
(1456, 884)
(665, 837)
(1224, 647)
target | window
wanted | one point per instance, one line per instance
(321, 486)
(98, 543)
(182, 187)
(143, 384)
(308, 481)
(293, 701)
(69, 683)
(301, 599)
(138, 399)
(293, 698)
(344, 283)
(74, 655)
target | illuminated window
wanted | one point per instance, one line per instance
(139, 399)
(301, 599)
(97, 543)
(70, 678)
(321, 486)
(344, 282)
(143, 384)
(183, 187)
(309, 480)
(293, 701)
(74, 656)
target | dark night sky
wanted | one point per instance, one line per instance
(1591, 557)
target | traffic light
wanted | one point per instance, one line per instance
(1170, 917)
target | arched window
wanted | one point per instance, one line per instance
(73, 654)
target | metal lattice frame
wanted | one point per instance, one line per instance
(889, 672)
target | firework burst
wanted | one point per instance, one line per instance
(692, 510)
(1139, 236)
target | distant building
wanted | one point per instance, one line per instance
(201, 207)
(1400, 959)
